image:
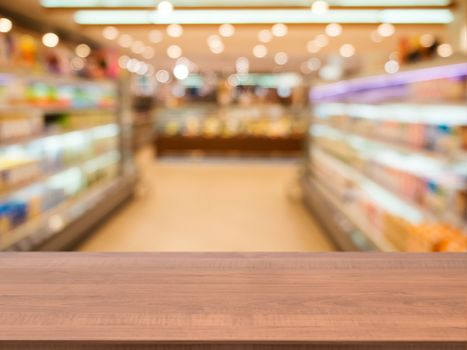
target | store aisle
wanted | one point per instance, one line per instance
(212, 206)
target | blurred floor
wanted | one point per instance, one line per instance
(212, 206)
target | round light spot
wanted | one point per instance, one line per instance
(242, 65)
(110, 33)
(148, 52)
(319, 7)
(313, 64)
(50, 39)
(260, 51)
(162, 76)
(386, 30)
(165, 8)
(391, 66)
(444, 50)
(321, 40)
(375, 37)
(181, 71)
(82, 50)
(138, 47)
(5, 25)
(155, 36)
(123, 61)
(333, 29)
(347, 50)
(265, 35)
(427, 40)
(125, 40)
(227, 30)
(312, 47)
(174, 51)
(281, 58)
(279, 30)
(174, 30)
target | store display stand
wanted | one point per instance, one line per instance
(385, 159)
(69, 220)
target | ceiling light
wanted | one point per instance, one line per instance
(333, 29)
(427, 40)
(242, 3)
(312, 47)
(138, 47)
(444, 50)
(175, 30)
(165, 8)
(391, 66)
(269, 16)
(125, 40)
(386, 30)
(330, 72)
(82, 50)
(50, 39)
(313, 64)
(347, 50)
(279, 30)
(217, 48)
(242, 65)
(304, 68)
(132, 65)
(110, 33)
(162, 76)
(321, 40)
(260, 51)
(148, 52)
(174, 51)
(5, 25)
(281, 58)
(77, 63)
(320, 7)
(265, 35)
(123, 61)
(375, 37)
(227, 30)
(142, 69)
(155, 36)
(215, 44)
(181, 71)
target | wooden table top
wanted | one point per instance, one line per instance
(230, 297)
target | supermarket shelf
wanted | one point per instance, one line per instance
(423, 113)
(390, 200)
(53, 134)
(457, 157)
(57, 221)
(354, 218)
(28, 228)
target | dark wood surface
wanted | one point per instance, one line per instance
(243, 145)
(341, 300)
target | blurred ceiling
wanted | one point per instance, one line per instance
(194, 40)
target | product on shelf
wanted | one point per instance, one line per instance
(233, 122)
(19, 124)
(393, 150)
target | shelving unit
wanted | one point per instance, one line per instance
(388, 154)
(262, 130)
(70, 134)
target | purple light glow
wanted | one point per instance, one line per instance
(384, 81)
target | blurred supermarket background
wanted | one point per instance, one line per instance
(221, 125)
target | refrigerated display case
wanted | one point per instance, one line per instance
(211, 129)
(64, 159)
(387, 159)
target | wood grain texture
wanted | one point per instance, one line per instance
(230, 298)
